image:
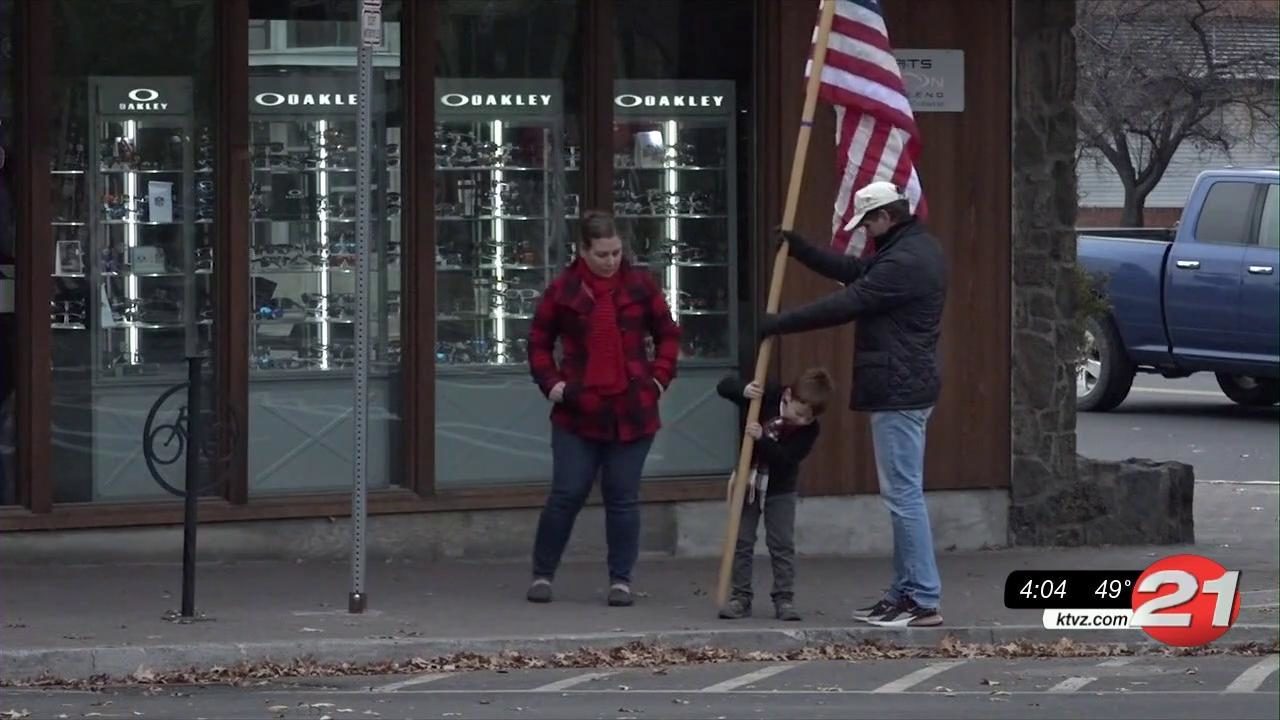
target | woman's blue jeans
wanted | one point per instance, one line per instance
(576, 462)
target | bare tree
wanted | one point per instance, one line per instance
(1154, 74)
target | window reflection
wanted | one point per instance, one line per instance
(302, 245)
(508, 170)
(132, 137)
(682, 155)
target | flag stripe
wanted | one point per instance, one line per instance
(877, 136)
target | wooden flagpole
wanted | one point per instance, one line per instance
(739, 489)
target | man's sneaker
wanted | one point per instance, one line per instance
(786, 610)
(539, 591)
(873, 611)
(620, 595)
(736, 609)
(908, 614)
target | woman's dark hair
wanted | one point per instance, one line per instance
(596, 224)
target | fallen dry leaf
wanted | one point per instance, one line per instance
(15, 714)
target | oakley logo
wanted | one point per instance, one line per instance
(143, 99)
(273, 99)
(456, 100)
(677, 101)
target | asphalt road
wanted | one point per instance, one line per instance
(1191, 421)
(1130, 687)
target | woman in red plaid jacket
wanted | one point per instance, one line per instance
(605, 393)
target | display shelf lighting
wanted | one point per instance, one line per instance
(671, 130)
(129, 130)
(322, 221)
(499, 243)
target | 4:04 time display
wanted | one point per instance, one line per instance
(1069, 589)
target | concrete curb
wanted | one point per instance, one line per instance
(121, 661)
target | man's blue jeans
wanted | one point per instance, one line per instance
(899, 439)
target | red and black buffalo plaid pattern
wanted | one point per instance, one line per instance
(564, 314)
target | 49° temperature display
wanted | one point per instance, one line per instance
(1081, 589)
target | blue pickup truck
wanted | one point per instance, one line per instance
(1203, 297)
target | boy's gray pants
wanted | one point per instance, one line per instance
(779, 537)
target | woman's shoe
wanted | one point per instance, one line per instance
(539, 591)
(620, 595)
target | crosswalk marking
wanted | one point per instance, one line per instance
(1071, 684)
(919, 676)
(747, 679)
(1237, 679)
(986, 692)
(1253, 677)
(566, 683)
(411, 682)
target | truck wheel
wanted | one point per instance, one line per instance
(1104, 374)
(1250, 391)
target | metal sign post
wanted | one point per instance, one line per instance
(370, 37)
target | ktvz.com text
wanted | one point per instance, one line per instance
(1085, 619)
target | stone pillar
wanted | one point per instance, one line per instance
(1044, 252)
(1056, 497)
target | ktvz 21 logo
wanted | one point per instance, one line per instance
(1186, 600)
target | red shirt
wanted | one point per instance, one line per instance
(564, 314)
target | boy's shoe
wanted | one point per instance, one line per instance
(786, 610)
(866, 614)
(908, 614)
(539, 591)
(736, 609)
(620, 595)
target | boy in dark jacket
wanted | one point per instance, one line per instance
(784, 436)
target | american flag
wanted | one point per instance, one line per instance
(876, 134)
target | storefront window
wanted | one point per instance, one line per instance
(8, 252)
(133, 129)
(303, 124)
(508, 194)
(683, 118)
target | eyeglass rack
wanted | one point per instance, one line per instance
(507, 191)
(132, 242)
(675, 198)
(302, 253)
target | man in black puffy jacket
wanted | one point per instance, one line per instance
(896, 296)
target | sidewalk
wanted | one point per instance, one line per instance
(77, 622)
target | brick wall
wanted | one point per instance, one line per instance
(1087, 217)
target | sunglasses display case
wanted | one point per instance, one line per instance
(132, 218)
(302, 215)
(507, 192)
(675, 199)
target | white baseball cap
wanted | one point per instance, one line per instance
(873, 197)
